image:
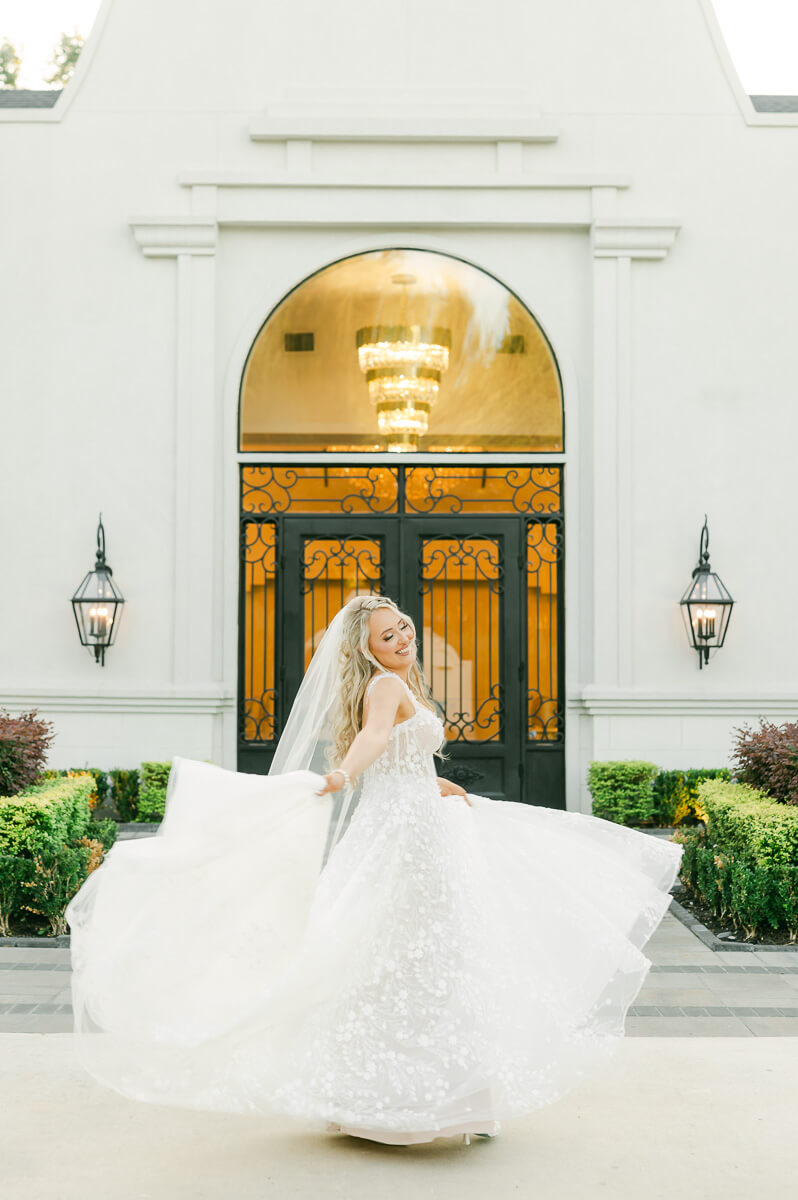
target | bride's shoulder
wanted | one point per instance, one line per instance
(396, 683)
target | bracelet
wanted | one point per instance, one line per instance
(341, 771)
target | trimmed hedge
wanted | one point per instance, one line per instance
(744, 866)
(152, 790)
(676, 794)
(48, 845)
(623, 791)
(125, 792)
(45, 816)
(101, 779)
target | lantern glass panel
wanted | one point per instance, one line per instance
(95, 604)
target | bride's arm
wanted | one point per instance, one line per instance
(369, 744)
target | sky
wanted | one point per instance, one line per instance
(762, 36)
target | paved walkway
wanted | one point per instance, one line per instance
(690, 991)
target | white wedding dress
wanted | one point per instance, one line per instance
(451, 966)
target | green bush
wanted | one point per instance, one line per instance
(152, 790)
(48, 844)
(744, 866)
(125, 792)
(45, 816)
(53, 880)
(675, 793)
(101, 781)
(753, 827)
(623, 791)
(102, 831)
(14, 873)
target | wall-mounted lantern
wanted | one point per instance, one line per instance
(97, 604)
(706, 605)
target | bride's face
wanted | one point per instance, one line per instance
(392, 639)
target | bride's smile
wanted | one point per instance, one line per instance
(392, 640)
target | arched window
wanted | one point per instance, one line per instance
(404, 350)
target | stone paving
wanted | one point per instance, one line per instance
(690, 991)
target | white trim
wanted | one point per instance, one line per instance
(269, 458)
(400, 127)
(744, 102)
(213, 698)
(67, 97)
(560, 181)
(638, 702)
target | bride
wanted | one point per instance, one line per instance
(353, 940)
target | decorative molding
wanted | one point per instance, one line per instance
(557, 181)
(401, 127)
(168, 237)
(643, 237)
(596, 701)
(171, 701)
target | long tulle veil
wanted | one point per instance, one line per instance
(307, 734)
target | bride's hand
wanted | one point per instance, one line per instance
(447, 788)
(333, 783)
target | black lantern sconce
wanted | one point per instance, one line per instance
(97, 604)
(706, 605)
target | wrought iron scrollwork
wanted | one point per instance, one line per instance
(332, 489)
(257, 721)
(330, 558)
(461, 581)
(544, 551)
(454, 490)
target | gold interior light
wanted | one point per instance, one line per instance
(403, 364)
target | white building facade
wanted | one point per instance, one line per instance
(602, 165)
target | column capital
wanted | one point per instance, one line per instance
(168, 237)
(624, 237)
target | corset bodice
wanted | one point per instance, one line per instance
(411, 743)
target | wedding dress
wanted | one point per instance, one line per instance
(449, 967)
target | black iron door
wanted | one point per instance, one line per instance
(484, 589)
(461, 583)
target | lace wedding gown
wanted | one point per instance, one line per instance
(452, 965)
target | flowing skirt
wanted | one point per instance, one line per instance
(445, 968)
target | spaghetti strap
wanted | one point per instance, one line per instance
(389, 675)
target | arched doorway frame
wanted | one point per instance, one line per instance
(259, 316)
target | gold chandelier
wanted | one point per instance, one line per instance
(403, 365)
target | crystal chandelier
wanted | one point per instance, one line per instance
(403, 365)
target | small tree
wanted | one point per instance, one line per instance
(65, 56)
(767, 759)
(10, 63)
(24, 742)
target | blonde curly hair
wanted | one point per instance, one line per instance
(357, 665)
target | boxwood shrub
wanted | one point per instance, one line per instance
(125, 792)
(676, 794)
(744, 865)
(48, 845)
(152, 791)
(623, 791)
